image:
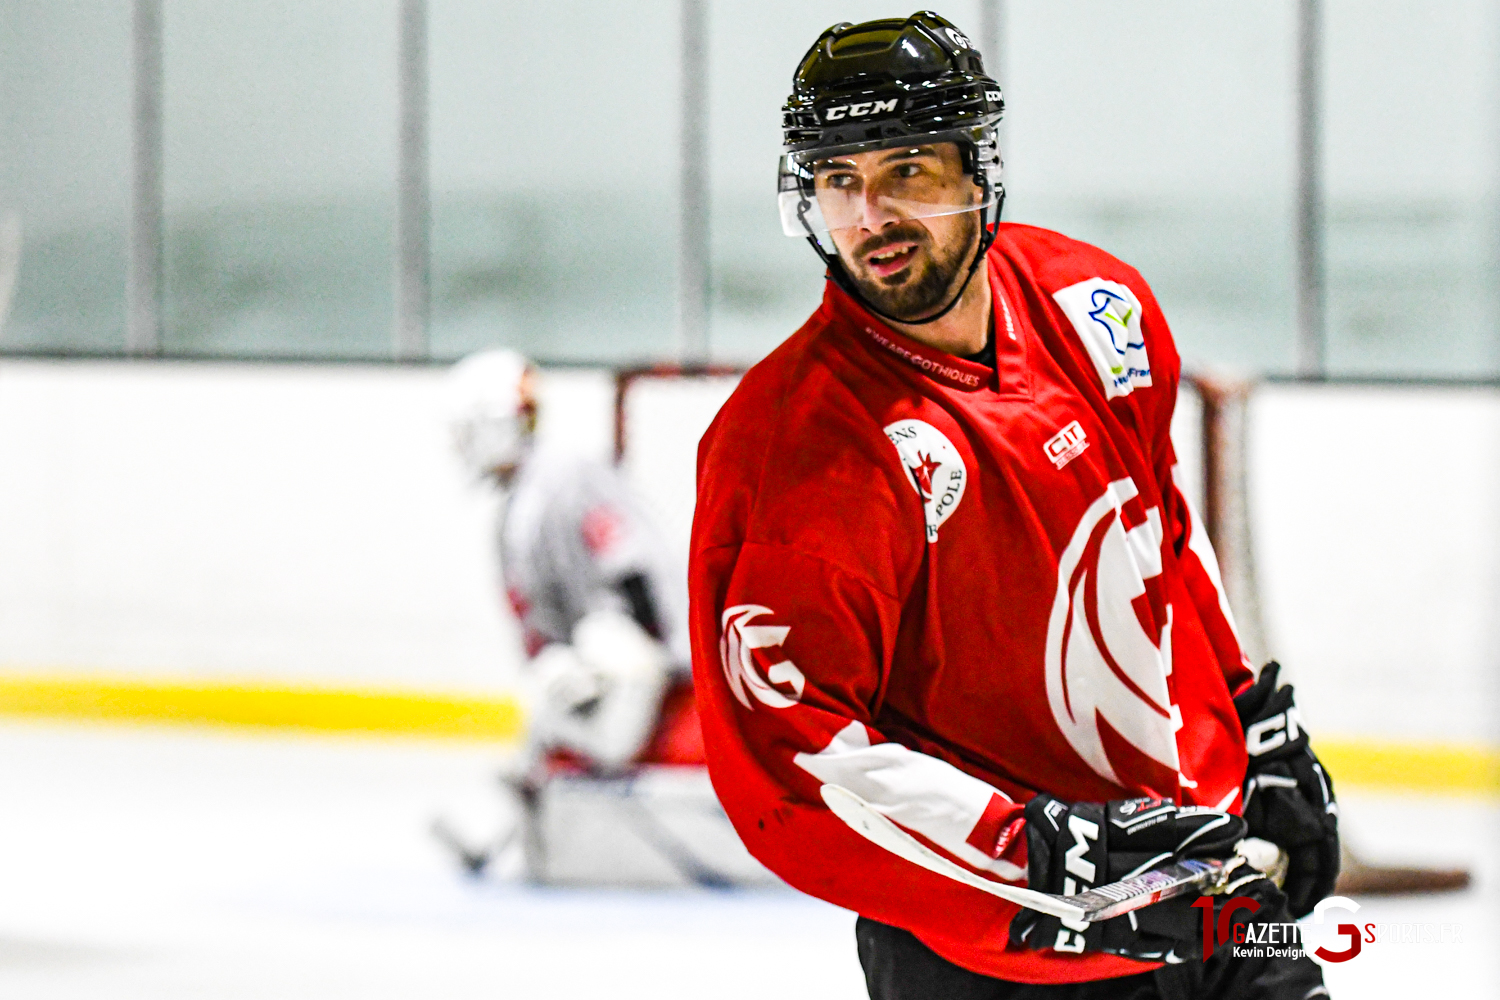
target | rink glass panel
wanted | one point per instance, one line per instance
(554, 173)
(65, 171)
(279, 166)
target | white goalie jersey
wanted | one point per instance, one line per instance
(574, 540)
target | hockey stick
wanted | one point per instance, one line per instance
(1358, 877)
(668, 845)
(1176, 879)
(474, 859)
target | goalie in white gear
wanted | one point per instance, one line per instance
(602, 610)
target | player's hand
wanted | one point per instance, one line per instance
(1072, 848)
(1288, 796)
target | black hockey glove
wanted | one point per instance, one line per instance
(1288, 796)
(1077, 847)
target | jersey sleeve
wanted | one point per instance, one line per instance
(803, 647)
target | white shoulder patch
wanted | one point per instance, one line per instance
(935, 468)
(1107, 316)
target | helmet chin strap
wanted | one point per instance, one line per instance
(840, 276)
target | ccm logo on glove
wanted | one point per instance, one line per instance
(1270, 734)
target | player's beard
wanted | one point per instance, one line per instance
(933, 277)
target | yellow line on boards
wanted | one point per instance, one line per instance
(1414, 766)
(386, 712)
(1354, 763)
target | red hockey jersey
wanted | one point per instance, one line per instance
(947, 588)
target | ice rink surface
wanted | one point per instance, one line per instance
(160, 864)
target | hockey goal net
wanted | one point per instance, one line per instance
(660, 414)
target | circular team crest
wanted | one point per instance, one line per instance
(934, 468)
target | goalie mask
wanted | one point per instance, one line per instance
(907, 86)
(492, 411)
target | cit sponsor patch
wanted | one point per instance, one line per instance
(1107, 317)
(753, 662)
(1066, 445)
(933, 465)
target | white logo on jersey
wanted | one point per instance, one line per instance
(936, 469)
(1103, 668)
(737, 647)
(1066, 445)
(1107, 316)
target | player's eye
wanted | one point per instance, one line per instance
(907, 170)
(840, 182)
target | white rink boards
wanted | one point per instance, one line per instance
(309, 524)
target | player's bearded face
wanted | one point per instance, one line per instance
(905, 262)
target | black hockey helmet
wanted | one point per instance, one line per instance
(879, 85)
(888, 79)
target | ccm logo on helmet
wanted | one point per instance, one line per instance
(862, 110)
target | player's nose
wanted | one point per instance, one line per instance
(876, 212)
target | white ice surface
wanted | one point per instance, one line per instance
(151, 864)
(157, 864)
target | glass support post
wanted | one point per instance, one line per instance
(1311, 284)
(413, 206)
(143, 281)
(694, 245)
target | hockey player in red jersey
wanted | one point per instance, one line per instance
(941, 559)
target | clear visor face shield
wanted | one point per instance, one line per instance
(868, 185)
